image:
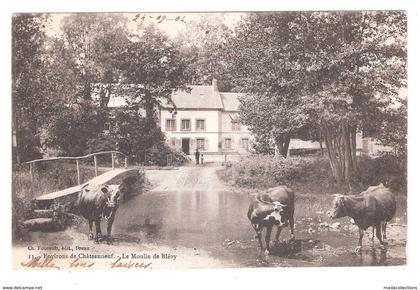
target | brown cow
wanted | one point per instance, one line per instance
(274, 207)
(97, 201)
(372, 208)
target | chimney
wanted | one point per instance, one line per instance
(214, 83)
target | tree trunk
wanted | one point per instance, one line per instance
(354, 149)
(149, 107)
(320, 142)
(105, 95)
(330, 145)
(282, 143)
(87, 92)
(341, 148)
(17, 137)
(348, 160)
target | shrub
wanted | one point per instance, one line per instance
(313, 174)
(266, 171)
(163, 155)
(386, 169)
(21, 209)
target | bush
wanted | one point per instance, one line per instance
(313, 174)
(47, 177)
(386, 169)
(163, 155)
(21, 209)
(267, 171)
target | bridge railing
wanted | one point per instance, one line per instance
(77, 159)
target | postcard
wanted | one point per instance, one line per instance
(209, 140)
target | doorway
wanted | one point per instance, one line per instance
(186, 145)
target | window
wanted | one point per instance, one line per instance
(170, 125)
(236, 126)
(185, 125)
(228, 143)
(200, 125)
(245, 143)
(200, 144)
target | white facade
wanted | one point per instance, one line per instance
(207, 120)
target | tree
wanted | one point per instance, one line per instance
(357, 67)
(266, 53)
(334, 71)
(151, 62)
(81, 66)
(93, 43)
(393, 130)
(29, 104)
(201, 46)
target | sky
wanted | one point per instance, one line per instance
(170, 23)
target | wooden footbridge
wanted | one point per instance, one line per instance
(43, 215)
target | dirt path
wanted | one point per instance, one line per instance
(196, 178)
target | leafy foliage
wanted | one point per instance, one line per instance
(332, 72)
(151, 61)
(70, 131)
(30, 105)
(257, 171)
(201, 46)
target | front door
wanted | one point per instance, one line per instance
(186, 145)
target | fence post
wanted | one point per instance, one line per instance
(96, 165)
(125, 162)
(30, 171)
(112, 161)
(78, 171)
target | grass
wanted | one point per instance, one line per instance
(46, 179)
(310, 174)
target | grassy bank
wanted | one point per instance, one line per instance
(309, 174)
(46, 178)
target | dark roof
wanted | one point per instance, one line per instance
(200, 97)
(197, 97)
(231, 101)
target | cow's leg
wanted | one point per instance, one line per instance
(258, 230)
(358, 249)
(109, 229)
(373, 236)
(279, 228)
(292, 227)
(267, 239)
(384, 232)
(379, 234)
(98, 230)
(90, 236)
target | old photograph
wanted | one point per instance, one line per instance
(209, 140)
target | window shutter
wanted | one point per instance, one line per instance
(206, 144)
(178, 143)
(192, 144)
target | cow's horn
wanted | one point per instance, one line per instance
(282, 205)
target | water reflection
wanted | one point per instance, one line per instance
(207, 219)
(187, 218)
